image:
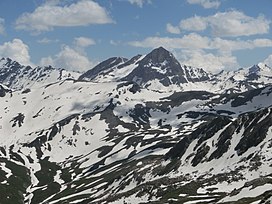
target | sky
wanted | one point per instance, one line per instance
(78, 34)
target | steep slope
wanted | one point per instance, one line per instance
(160, 65)
(253, 77)
(107, 143)
(120, 141)
(103, 68)
(157, 70)
(17, 76)
(160, 70)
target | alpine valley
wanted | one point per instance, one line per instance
(139, 130)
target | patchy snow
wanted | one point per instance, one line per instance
(6, 170)
(133, 199)
(248, 192)
(200, 201)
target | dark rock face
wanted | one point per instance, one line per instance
(103, 66)
(179, 149)
(4, 91)
(18, 120)
(159, 64)
(129, 62)
(256, 130)
(10, 70)
(200, 154)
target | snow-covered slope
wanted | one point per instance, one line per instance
(108, 139)
(253, 77)
(158, 70)
(17, 76)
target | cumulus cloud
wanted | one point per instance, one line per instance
(51, 14)
(2, 26)
(209, 61)
(210, 53)
(16, 50)
(195, 23)
(196, 41)
(68, 58)
(172, 29)
(224, 45)
(236, 23)
(227, 24)
(206, 3)
(268, 61)
(190, 41)
(84, 42)
(139, 3)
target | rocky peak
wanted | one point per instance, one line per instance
(8, 63)
(161, 65)
(158, 56)
(254, 69)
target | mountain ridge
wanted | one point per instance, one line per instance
(103, 139)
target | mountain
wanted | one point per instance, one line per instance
(103, 68)
(159, 68)
(106, 138)
(16, 76)
(253, 77)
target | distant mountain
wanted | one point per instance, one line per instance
(139, 130)
(17, 76)
(160, 70)
(159, 67)
(253, 77)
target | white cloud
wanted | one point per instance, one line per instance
(196, 50)
(172, 29)
(190, 41)
(84, 42)
(227, 24)
(224, 45)
(47, 41)
(208, 61)
(196, 41)
(139, 3)
(195, 23)
(206, 3)
(2, 27)
(268, 61)
(50, 15)
(235, 23)
(16, 50)
(262, 43)
(68, 58)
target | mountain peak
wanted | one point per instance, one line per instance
(7, 62)
(158, 65)
(160, 50)
(160, 55)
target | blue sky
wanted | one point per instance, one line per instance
(77, 34)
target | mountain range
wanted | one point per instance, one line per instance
(139, 130)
